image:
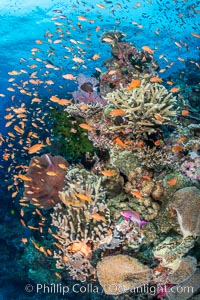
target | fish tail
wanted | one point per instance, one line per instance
(142, 223)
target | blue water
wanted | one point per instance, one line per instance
(165, 26)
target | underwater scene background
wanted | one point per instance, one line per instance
(99, 149)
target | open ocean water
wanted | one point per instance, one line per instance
(99, 149)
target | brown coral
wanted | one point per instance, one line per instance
(47, 174)
(121, 273)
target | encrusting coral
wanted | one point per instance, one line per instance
(185, 290)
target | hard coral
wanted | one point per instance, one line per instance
(47, 174)
(148, 105)
(170, 251)
(185, 289)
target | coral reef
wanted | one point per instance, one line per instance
(70, 139)
(154, 157)
(120, 273)
(81, 186)
(81, 222)
(186, 203)
(126, 62)
(123, 211)
(79, 231)
(44, 179)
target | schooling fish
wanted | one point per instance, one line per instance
(133, 216)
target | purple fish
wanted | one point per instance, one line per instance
(133, 216)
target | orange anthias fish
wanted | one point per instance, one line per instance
(181, 139)
(175, 90)
(84, 197)
(172, 181)
(86, 126)
(108, 173)
(119, 142)
(137, 194)
(24, 178)
(177, 148)
(35, 148)
(98, 217)
(185, 112)
(148, 49)
(156, 79)
(134, 84)
(117, 112)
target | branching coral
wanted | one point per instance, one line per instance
(148, 105)
(151, 157)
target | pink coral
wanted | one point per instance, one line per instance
(87, 91)
(191, 168)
